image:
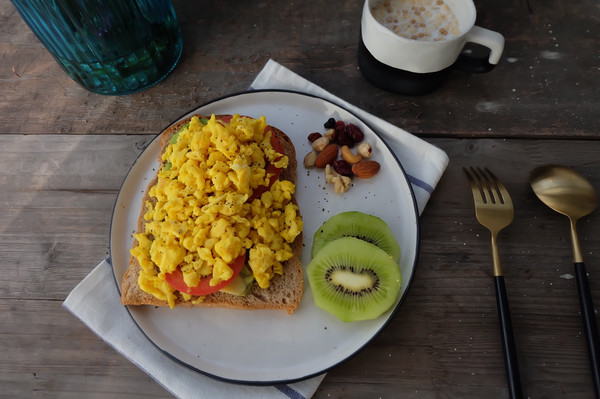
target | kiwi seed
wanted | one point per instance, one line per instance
(353, 279)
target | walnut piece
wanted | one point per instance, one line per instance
(341, 184)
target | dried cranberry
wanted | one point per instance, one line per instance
(330, 124)
(339, 125)
(313, 136)
(343, 138)
(355, 133)
(342, 167)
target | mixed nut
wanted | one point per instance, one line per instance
(339, 140)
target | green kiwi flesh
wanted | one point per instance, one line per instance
(353, 279)
(366, 227)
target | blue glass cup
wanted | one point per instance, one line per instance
(108, 46)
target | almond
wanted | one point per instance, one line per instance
(328, 154)
(365, 169)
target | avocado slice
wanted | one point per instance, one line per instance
(241, 284)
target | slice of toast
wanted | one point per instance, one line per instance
(284, 292)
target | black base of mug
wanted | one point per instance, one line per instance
(411, 83)
(397, 80)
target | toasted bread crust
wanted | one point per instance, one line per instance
(285, 291)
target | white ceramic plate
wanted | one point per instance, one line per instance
(266, 347)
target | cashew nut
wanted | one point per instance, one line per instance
(349, 156)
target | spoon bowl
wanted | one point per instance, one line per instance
(568, 192)
(564, 190)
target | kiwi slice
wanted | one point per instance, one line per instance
(354, 280)
(366, 227)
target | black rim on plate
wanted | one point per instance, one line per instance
(316, 372)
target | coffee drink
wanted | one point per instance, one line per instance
(426, 20)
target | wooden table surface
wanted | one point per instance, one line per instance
(540, 105)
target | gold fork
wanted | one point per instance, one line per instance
(494, 210)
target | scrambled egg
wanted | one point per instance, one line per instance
(199, 217)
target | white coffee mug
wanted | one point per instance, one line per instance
(383, 50)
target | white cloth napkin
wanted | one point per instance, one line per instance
(95, 301)
(423, 163)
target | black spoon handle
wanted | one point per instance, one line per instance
(513, 377)
(589, 323)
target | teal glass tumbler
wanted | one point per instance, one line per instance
(108, 46)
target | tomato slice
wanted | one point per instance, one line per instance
(176, 281)
(226, 118)
(270, 169)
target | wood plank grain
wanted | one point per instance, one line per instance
(57, 200)
(544, 86)
(48, 353)
(446, 333)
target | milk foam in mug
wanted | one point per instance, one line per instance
(429, 20)
(409, 46)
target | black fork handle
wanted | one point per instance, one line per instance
(589, 323)
(513, 378)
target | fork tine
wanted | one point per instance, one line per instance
(488, 185)
(501, 190)
(484, 183)
(480, 182)
(475, 186)
(496, 214)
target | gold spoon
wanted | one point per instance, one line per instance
(569, 193)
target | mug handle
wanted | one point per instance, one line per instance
(488, 38)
